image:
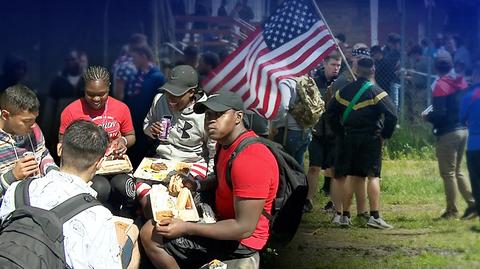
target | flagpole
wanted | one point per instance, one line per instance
(334, 39)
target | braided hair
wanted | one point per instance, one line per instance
(96, 73)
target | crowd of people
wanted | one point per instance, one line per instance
(97, 113)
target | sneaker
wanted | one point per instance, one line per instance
(329, 207)
(470, 212)
(336, 219)
(378, 223)
(345, 222)
(308, 206)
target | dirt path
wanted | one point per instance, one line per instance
(417, 242)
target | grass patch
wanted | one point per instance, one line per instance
(407, 144)
(412, 197)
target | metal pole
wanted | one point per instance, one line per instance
(429, 56)
(105, 33)
(373, 22)
(402, 63)
(334, 39)
(155, 23)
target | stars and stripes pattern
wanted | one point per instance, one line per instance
(290, 43)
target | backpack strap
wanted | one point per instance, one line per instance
(354, 101)
(228, 177)
(243, 144)
(22, 197)
(74, 205)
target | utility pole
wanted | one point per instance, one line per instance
(429, 4)
(403, 13)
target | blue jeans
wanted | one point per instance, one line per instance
(297, 142)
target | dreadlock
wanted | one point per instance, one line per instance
(96, 73)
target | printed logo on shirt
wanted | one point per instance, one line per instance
(110, 125)
(187, 126)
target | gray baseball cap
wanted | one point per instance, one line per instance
(181, 79)
(220, 102)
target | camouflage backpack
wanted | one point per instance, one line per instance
(309, 105)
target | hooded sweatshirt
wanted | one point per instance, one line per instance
(187, 140)
(447, 91)
(14, 147)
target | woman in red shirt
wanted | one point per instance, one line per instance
(114, 117)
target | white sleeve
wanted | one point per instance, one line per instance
(8, 203)
(212, 150)
(287, 89)
(105, 252)
(151, 116)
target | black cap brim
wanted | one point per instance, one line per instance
(174, 89)
(200, 108)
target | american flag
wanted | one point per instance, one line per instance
(290, 43)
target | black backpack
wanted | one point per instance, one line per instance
(292, 191)
(32, 237)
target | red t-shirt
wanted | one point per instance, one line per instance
(254, 175)
(114, 118)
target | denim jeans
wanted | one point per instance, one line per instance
(297, 142)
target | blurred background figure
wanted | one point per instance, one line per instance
(123, 68)
(14, 70)
(66, 87)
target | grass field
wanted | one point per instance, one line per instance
(412, 197)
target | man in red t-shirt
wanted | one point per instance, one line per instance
(114, 117)
(241, 230)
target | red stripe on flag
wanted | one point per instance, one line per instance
(289, 52)
(254, 71)
(238, 68)
(230, 57)
(237, 86)
(305, 70)
(290, 66)
(285, 54)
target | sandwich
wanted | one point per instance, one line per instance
(175, 185)
(183, 199)
(163, 215)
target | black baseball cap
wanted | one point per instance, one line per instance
(220, 102)
(181, 79)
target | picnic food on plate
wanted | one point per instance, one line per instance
(175, 185)
(163, 215)
(158, 169)
(183, 168)
(166, 206)
(117, 164)
(158, 166)
(120, 165)
(183, 199)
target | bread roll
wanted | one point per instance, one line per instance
(183, 168)
(175, 185)
(183, 199)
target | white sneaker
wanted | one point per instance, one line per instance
(345, 222)
(378, 223)
(336, 219)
